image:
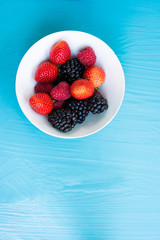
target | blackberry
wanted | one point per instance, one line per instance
(80, 108)
(97, 103)
(58, 80)
(62, 119)
(72, 70)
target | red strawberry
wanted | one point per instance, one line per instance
(60, 53)
(95, 75)
(87, 57)
(43, 87)
(58, 104)
(61, 91)
(81, 89)
(41, 103)
(46, 72)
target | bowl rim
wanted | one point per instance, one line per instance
(65, 136)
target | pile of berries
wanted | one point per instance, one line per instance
(66, 88)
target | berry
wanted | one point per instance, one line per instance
(80, 108)
(81, 89)
(41, 103)
(60, 53)
(97, 103)
(62, 119)
(96, 75)
(96, 91)
(58, 80)
(87, 57)
(72, 70)
(46, 72)
(43, 88)
(61, 91)
(58, 104)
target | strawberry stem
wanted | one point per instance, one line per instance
(58, 66)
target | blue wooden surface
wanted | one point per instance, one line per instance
(102, 187)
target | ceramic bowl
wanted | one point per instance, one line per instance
(113, 88)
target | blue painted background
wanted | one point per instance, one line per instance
(105, 186)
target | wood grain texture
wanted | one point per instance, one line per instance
(102, 187)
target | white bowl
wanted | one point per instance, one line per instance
(113, 88)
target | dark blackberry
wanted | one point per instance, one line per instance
(58, 80)
(72, 70)
(80, 108)
(97, 103)
(62, 119)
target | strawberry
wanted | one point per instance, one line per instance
(60, 53)
(41, 103)
(95, 75)
(58, 104)
(46, 72)
(61, 91)
(43, 87)
(87, 57)
(81, 89)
